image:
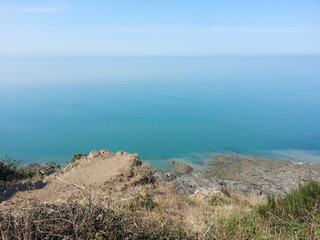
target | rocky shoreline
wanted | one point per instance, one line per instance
(246, 176)
(239, 175)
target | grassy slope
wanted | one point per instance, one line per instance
(157, 211)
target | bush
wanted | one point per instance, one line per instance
(10, 170)
(293, 216)
(298, 205)
(147, 202)
(303, 202)
(140, 201)
(243, 226)
(270, 206)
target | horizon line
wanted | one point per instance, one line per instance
(28, 56)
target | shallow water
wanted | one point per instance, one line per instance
(161, 108)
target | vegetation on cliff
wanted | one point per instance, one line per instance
(10, 171)
(105, 195)
(292, 216)
(143, 216)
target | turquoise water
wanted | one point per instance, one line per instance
(161, 108)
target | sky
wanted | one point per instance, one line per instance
(161, 28)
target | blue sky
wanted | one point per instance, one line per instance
(165, 28)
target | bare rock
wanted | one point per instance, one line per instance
(238, 175)
(165, 176)
(181, 167)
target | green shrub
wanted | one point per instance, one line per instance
(7, 169)
(147, 202)
(298, 205)
(293, 216)
(242, 225)
(10, 170)
(303, 202)
(270, 206)
(139, 201)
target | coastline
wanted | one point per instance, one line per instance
(240, 174)
(198, 160)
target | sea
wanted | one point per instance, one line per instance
(185, 108)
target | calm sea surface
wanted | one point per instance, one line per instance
(161, 108)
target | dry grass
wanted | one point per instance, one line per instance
(292, 216)
(150, 211)
(131, 206)
(140, 211)
(171, 209)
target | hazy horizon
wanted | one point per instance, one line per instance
(66, 27)
(166, 79)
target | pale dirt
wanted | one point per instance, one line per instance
(92, 171)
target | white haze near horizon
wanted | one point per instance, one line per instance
(56, 70)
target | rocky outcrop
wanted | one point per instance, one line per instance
(181, 167)
(262, 175)
(188, 183)
(245, 176)
(165, 176)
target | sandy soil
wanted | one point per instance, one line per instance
(91, 171)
